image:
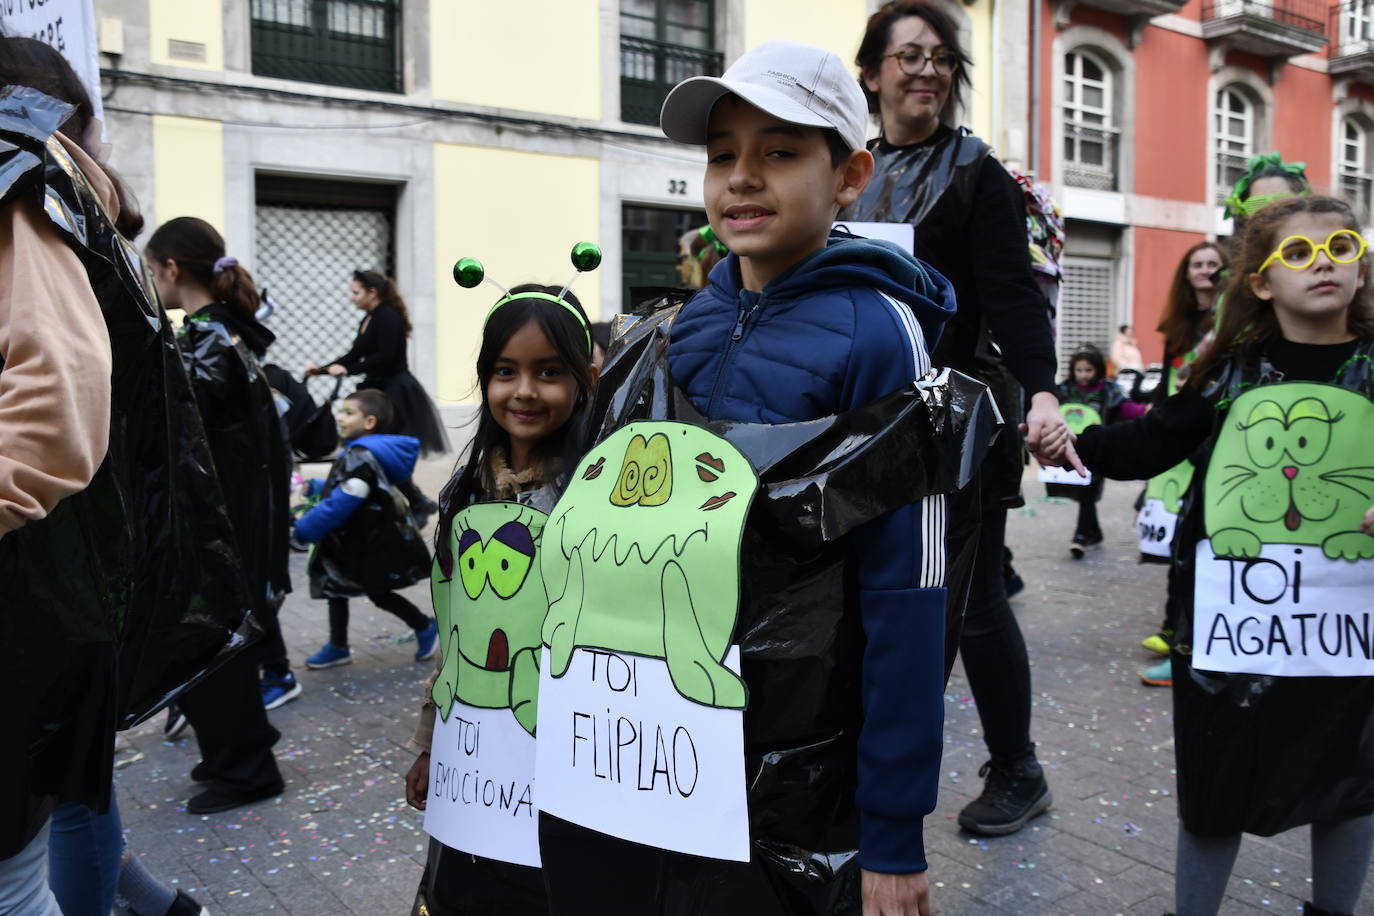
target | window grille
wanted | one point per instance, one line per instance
(1090, 142)
(662, 43)
(340, 42)
(1086, 302)
(1234, 120)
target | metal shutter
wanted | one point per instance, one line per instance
(1085, 306)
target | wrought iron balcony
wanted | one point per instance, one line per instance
(650, 69)
(1090, 157)
(1352, 35)
(339, 42)
(1276, 29)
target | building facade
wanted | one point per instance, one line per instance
(322, 136)
(1145, 111)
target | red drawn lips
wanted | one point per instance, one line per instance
(593, 471)
(498, 652)
(715, 502)
(713, 467)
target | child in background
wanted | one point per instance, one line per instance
(697, 252)
(535, 373)
(1263, 751)
(368, 541)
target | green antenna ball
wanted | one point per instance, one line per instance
(586, 256)
(469, 272)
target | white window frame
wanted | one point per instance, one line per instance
(1227, 144)
(1074, 110)
(1357, 26)
(1356, 178)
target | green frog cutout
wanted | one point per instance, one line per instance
(1079, 417)
(1292, 465)
(643, 555)
(1170, 486)
(490, 608)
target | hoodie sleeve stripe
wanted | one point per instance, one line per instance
(933, 529)
(919, 357)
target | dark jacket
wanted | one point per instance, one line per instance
(129, 590)
(379, 350)
(222, 352)
(841, 330)
(368, 541)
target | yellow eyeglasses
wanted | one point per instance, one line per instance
(1298, 252)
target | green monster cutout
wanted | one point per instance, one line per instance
(1292, 465)
(643, 555)
(1079, 417)
(490, 607)
(1170, 486)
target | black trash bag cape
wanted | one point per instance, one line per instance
(1258, 753)
(378, 549)
(131, 590)
(798, 620)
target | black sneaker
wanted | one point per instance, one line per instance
(1012, 794)
(1083, 543)
(214, 800)
(186, 905)
(176, 722)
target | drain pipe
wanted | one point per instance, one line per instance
(1033, 135)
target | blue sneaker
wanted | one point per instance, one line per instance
(427, 641)
(277, 691)
(329, 656)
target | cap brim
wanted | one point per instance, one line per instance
(687, 109)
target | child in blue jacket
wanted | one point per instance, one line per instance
(368, 543)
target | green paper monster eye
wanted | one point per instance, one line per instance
(469, 272)
(472, 568)
(586, 256)
(506, 568)
(1265, 434)
(1309, 431)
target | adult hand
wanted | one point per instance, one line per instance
(336, 369)
(1367, 526)
(895, 895)
(417, 782)
(1048, 436)
(310, 370)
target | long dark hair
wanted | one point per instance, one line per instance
(196, 246)
(1093, 357)
(569, 338)
(1183, 322)
(878, 33)
(1249, 326)
(386, 291)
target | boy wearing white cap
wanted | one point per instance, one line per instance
(843, 731)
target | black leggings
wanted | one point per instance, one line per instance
(412, 616)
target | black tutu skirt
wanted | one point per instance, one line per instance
(413, 412)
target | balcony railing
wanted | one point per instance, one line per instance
(1352, 34)
(1307, 15)
(339, 42)
(1090, 157)
(650, 69)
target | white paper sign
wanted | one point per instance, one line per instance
(67, 26)
(903, 234)
(623, 753)
(1064, 475)
(1155, 527)
(1290, 611)
(481, 785)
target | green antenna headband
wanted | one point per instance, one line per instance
(586, 256)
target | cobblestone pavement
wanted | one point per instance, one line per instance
(342, 840)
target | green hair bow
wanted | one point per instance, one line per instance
(1236, 203)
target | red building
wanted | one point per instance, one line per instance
(1146, 111)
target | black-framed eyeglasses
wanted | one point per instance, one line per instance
(913, 60)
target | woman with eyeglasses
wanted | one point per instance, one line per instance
(970, 224)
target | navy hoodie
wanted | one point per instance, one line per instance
(396, 455)
(848, 325)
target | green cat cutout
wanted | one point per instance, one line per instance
(1292, 465)
(1170, 486)
(490, 608)
(1079, 417)
(643, 555)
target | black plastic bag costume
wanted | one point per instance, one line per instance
(798, 625)
(1257, 753)
(130, 590)
(378, 549)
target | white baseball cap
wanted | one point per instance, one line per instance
(797, 83)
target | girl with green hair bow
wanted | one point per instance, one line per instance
(1267, 178)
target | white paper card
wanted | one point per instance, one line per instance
(903, 234)
(623, 753)
(1064, 475)
(1155, 528)
(1290, 611)
(481, 785)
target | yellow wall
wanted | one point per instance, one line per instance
(543, 57)
(188, 169)
(834, 24)
(520, 215)
(186, 20)
(980, 100)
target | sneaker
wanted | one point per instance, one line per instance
(1160, 674)
(278, 691)
(1012, 794)
(1082, 544)
(176, 722)
(186, 905)
(329, 656)
(1161, 643)
(427, 641)
(213, 800)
